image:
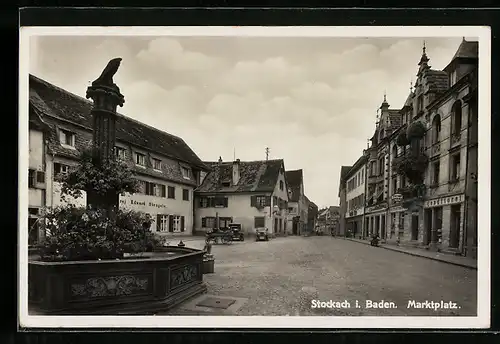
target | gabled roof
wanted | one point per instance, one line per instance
(295, 179)
(255, 176)
(52, 101)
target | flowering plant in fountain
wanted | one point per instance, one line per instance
(88, 233)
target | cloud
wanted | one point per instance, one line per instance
(312, 101)
(168, 53)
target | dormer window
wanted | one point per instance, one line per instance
(157, 164)
(140, 159)
(453, 78)
(282, 185)
(67, 138)
(186, 172)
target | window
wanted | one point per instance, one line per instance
(60, 168)
(142, 187)
(157, 164)
(204, 202)
(259, 222)
(435, 174)
(394, 151)
(120, 153)
(420, 104)
(453, 78)
(208, 222)
(282, 185)
(185, 194)
(31, 178)
(157, 190)
(162, 225)
(394, 185)
(171, 192)
(436, 128)
(176, 223)
(457, 118)
(224, 222)
(261, 201)
(140, 159)
(363, 174)
(220, 202)
(185, 173)
(40, 176)
(455, 167)
(381, 166)
(67, 138)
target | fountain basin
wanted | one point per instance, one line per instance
(138, 284)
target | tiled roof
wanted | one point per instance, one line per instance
(294, 179)
(395, 119)
(50, 100)
(467, 50)
(437, 80)
(255, 176)
(344, 170)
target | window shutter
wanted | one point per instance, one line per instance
(253, 201)
(226, 202)
(203, 222)
(182, 224)
(158, 222)
(268, 200)
(170, 223)
(163, 191)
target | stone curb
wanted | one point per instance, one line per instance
(415, 254)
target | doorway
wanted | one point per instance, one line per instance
(455, 225)
(414, 227)
(295, 225)
(382, 229)
(275, 229)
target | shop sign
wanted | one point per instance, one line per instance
(444, 201)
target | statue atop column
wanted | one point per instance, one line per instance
(106, 77)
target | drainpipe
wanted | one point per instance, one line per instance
(466, 191)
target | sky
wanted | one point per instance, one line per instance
(312, 101)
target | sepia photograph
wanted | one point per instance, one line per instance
(254, 177)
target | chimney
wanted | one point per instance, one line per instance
(236, 171)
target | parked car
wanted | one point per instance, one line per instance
(237, 231)
(261, 234)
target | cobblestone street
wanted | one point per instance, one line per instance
(282, 276)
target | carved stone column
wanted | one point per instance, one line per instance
(106, 97)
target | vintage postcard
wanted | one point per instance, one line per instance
(254, 177)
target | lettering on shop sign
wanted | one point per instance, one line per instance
(444, 201)
(376, 207)
(143, 203)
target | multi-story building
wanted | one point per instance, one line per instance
(422, 164)
(297, 204)
(342, 200)
(328, 220)
(378, 173)
(312, 216)
(450, 207)
(251, 193)
(166, 167)
(355, 197)
(38, 131)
